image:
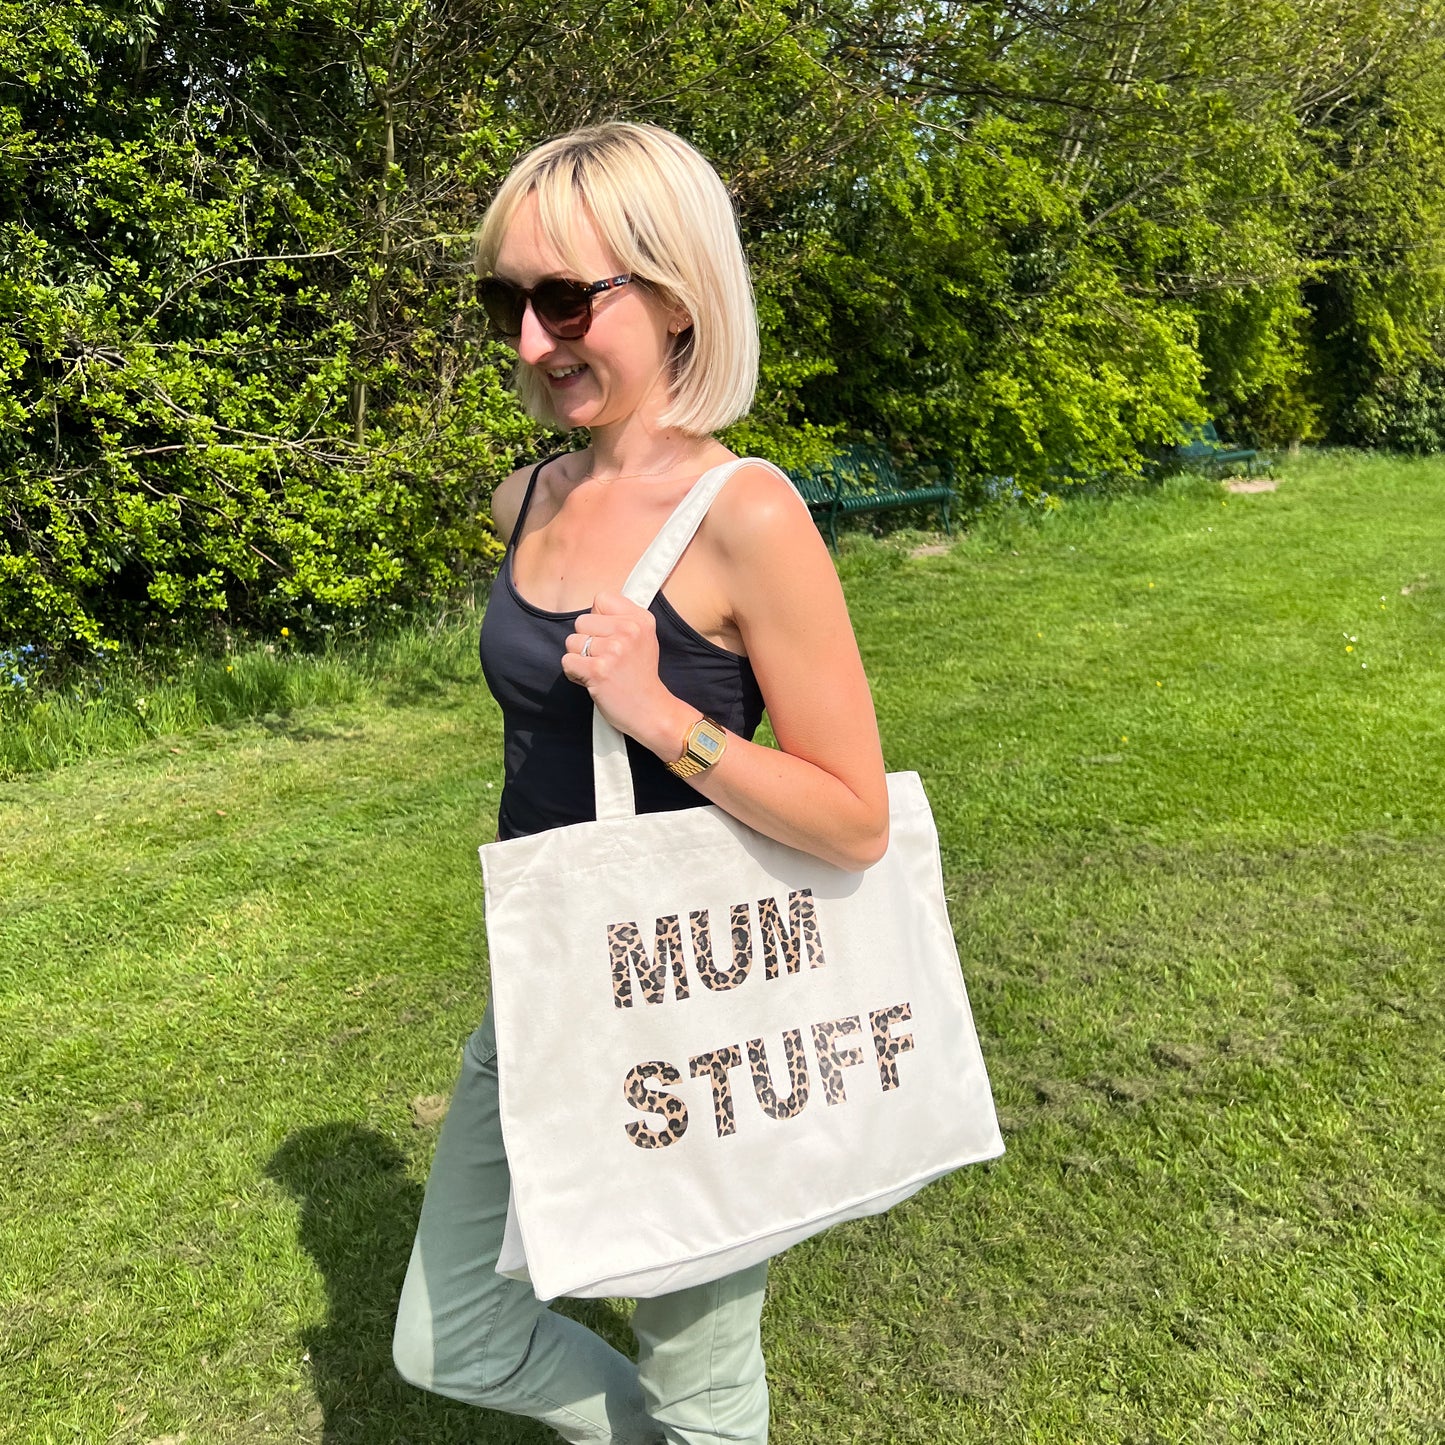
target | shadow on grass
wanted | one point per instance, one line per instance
(298, 730)
(412, 691)
(359, 1209)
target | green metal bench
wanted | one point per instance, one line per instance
(1202, 445)
(864, 479)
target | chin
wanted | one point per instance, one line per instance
(571, 414)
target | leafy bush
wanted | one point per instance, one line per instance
(242, 379)
(1404, 412)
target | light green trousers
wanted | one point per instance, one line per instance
(467, 1332)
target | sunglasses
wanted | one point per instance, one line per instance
(563, 307)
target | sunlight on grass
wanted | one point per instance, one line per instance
(1192, 851)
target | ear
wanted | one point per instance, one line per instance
(680, 322)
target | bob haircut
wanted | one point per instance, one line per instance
(663, 212)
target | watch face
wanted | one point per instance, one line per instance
(705, 743)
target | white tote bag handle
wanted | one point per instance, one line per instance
(612, 777)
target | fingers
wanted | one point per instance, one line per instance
(597, 629)
(577, 659)
(586, 647)
(587, 641)
(606, 639)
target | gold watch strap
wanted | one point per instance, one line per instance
(687, 766)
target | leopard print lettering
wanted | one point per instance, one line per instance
(885, 1046)
(720, 980)
(742, 931)
(777, 940)
(628, 954)
(702, 945)
(800, 934)
(649, 1101)
(804, 918)
(831, 1059)
(797, 1058)
(717, 1063)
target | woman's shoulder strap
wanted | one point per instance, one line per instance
(527, 495)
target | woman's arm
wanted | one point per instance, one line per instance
(823, 789)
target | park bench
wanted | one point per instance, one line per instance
(1203, 446)
(865, 479)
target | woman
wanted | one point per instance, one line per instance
(610, 260)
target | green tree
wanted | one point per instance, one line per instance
(242, 377)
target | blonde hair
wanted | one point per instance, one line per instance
(663, 212)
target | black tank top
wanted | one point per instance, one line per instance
(547, 720)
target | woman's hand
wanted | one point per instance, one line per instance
(619, 670)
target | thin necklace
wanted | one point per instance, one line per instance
(626, 476)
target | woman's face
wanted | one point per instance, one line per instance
(618, 370)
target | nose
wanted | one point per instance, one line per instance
(535, 342)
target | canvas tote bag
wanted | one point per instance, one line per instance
(711, 1045)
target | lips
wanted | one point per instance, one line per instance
(565, 373)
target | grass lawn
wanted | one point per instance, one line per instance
(1187, 755)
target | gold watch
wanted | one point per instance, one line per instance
(705, 743)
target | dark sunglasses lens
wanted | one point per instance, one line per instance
(563, 308)
(504, 305)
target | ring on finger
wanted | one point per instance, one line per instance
(586, 647)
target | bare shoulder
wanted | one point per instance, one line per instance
(760, 512)
(759, 506)
(507, 498)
